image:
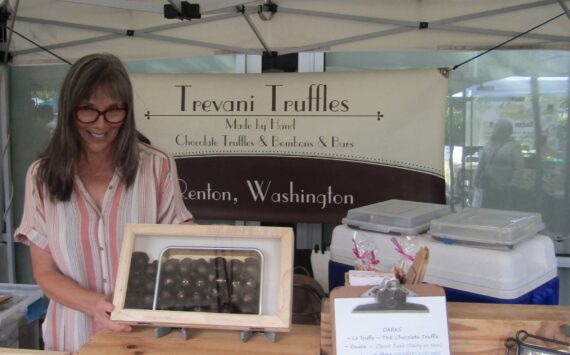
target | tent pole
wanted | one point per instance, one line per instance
(565, 8)
(256, 32)
(113, 33)
(7, 46)
(7, 228)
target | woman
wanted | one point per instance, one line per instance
(94, 177)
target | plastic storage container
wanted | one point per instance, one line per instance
(24, 306)
(486, 228)
(395, 216)
(525, 274)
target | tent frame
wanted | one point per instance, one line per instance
(241, 9)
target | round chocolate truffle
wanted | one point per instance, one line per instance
(135, 282)
(197, 299)
(170, 266)
(252, 268)
(151, 269)
(132, 300)
(201, 282)
(236, 267)
(139, 259)
(200, 267)
(236, 286)
(147, 300)
(185, 282)
(149, 285)
(165, 299)
(185, 266)
(168, 280)
(249, 298)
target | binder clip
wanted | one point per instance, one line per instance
(390, 297)
(521, 345)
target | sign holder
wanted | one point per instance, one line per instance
(388, 301)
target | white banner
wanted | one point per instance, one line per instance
(297, 147)
(392, 118)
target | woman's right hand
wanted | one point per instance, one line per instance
(102, 315)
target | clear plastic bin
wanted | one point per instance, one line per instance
(486, 228)
(395, 216)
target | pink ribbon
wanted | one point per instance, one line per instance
(401, 250)
(373, 259)
(364, 254)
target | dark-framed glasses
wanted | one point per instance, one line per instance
(114, 115)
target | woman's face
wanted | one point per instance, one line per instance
(98, 136)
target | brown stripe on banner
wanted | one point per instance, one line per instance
(286, 189)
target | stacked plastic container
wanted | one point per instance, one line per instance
(23, 308)
(378, 223)
(477, 255)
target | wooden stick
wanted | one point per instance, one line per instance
(417, 271)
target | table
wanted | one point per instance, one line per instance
(474, 328)
(302, 340)
(481, 328)
(10, 351)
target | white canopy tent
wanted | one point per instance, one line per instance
(137, 29)
(52, 31)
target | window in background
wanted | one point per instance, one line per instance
(529, 89)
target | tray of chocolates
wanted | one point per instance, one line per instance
(201, 279)
(202, 276)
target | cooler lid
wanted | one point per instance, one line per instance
(395, 216)
(486, 227)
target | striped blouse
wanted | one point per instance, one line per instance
(85, 242)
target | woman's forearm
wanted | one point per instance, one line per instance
(59, 287)
(67, 292)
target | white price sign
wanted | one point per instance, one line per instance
(389, 332)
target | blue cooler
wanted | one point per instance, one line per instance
(519, 268)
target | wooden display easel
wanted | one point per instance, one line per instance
(301, 340)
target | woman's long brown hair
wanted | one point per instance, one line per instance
(58, 163)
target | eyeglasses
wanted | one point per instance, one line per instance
(115, 115)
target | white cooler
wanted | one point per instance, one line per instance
(525, 274)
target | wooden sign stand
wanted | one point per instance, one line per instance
(328, 337)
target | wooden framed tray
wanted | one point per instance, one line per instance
(199, 276)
